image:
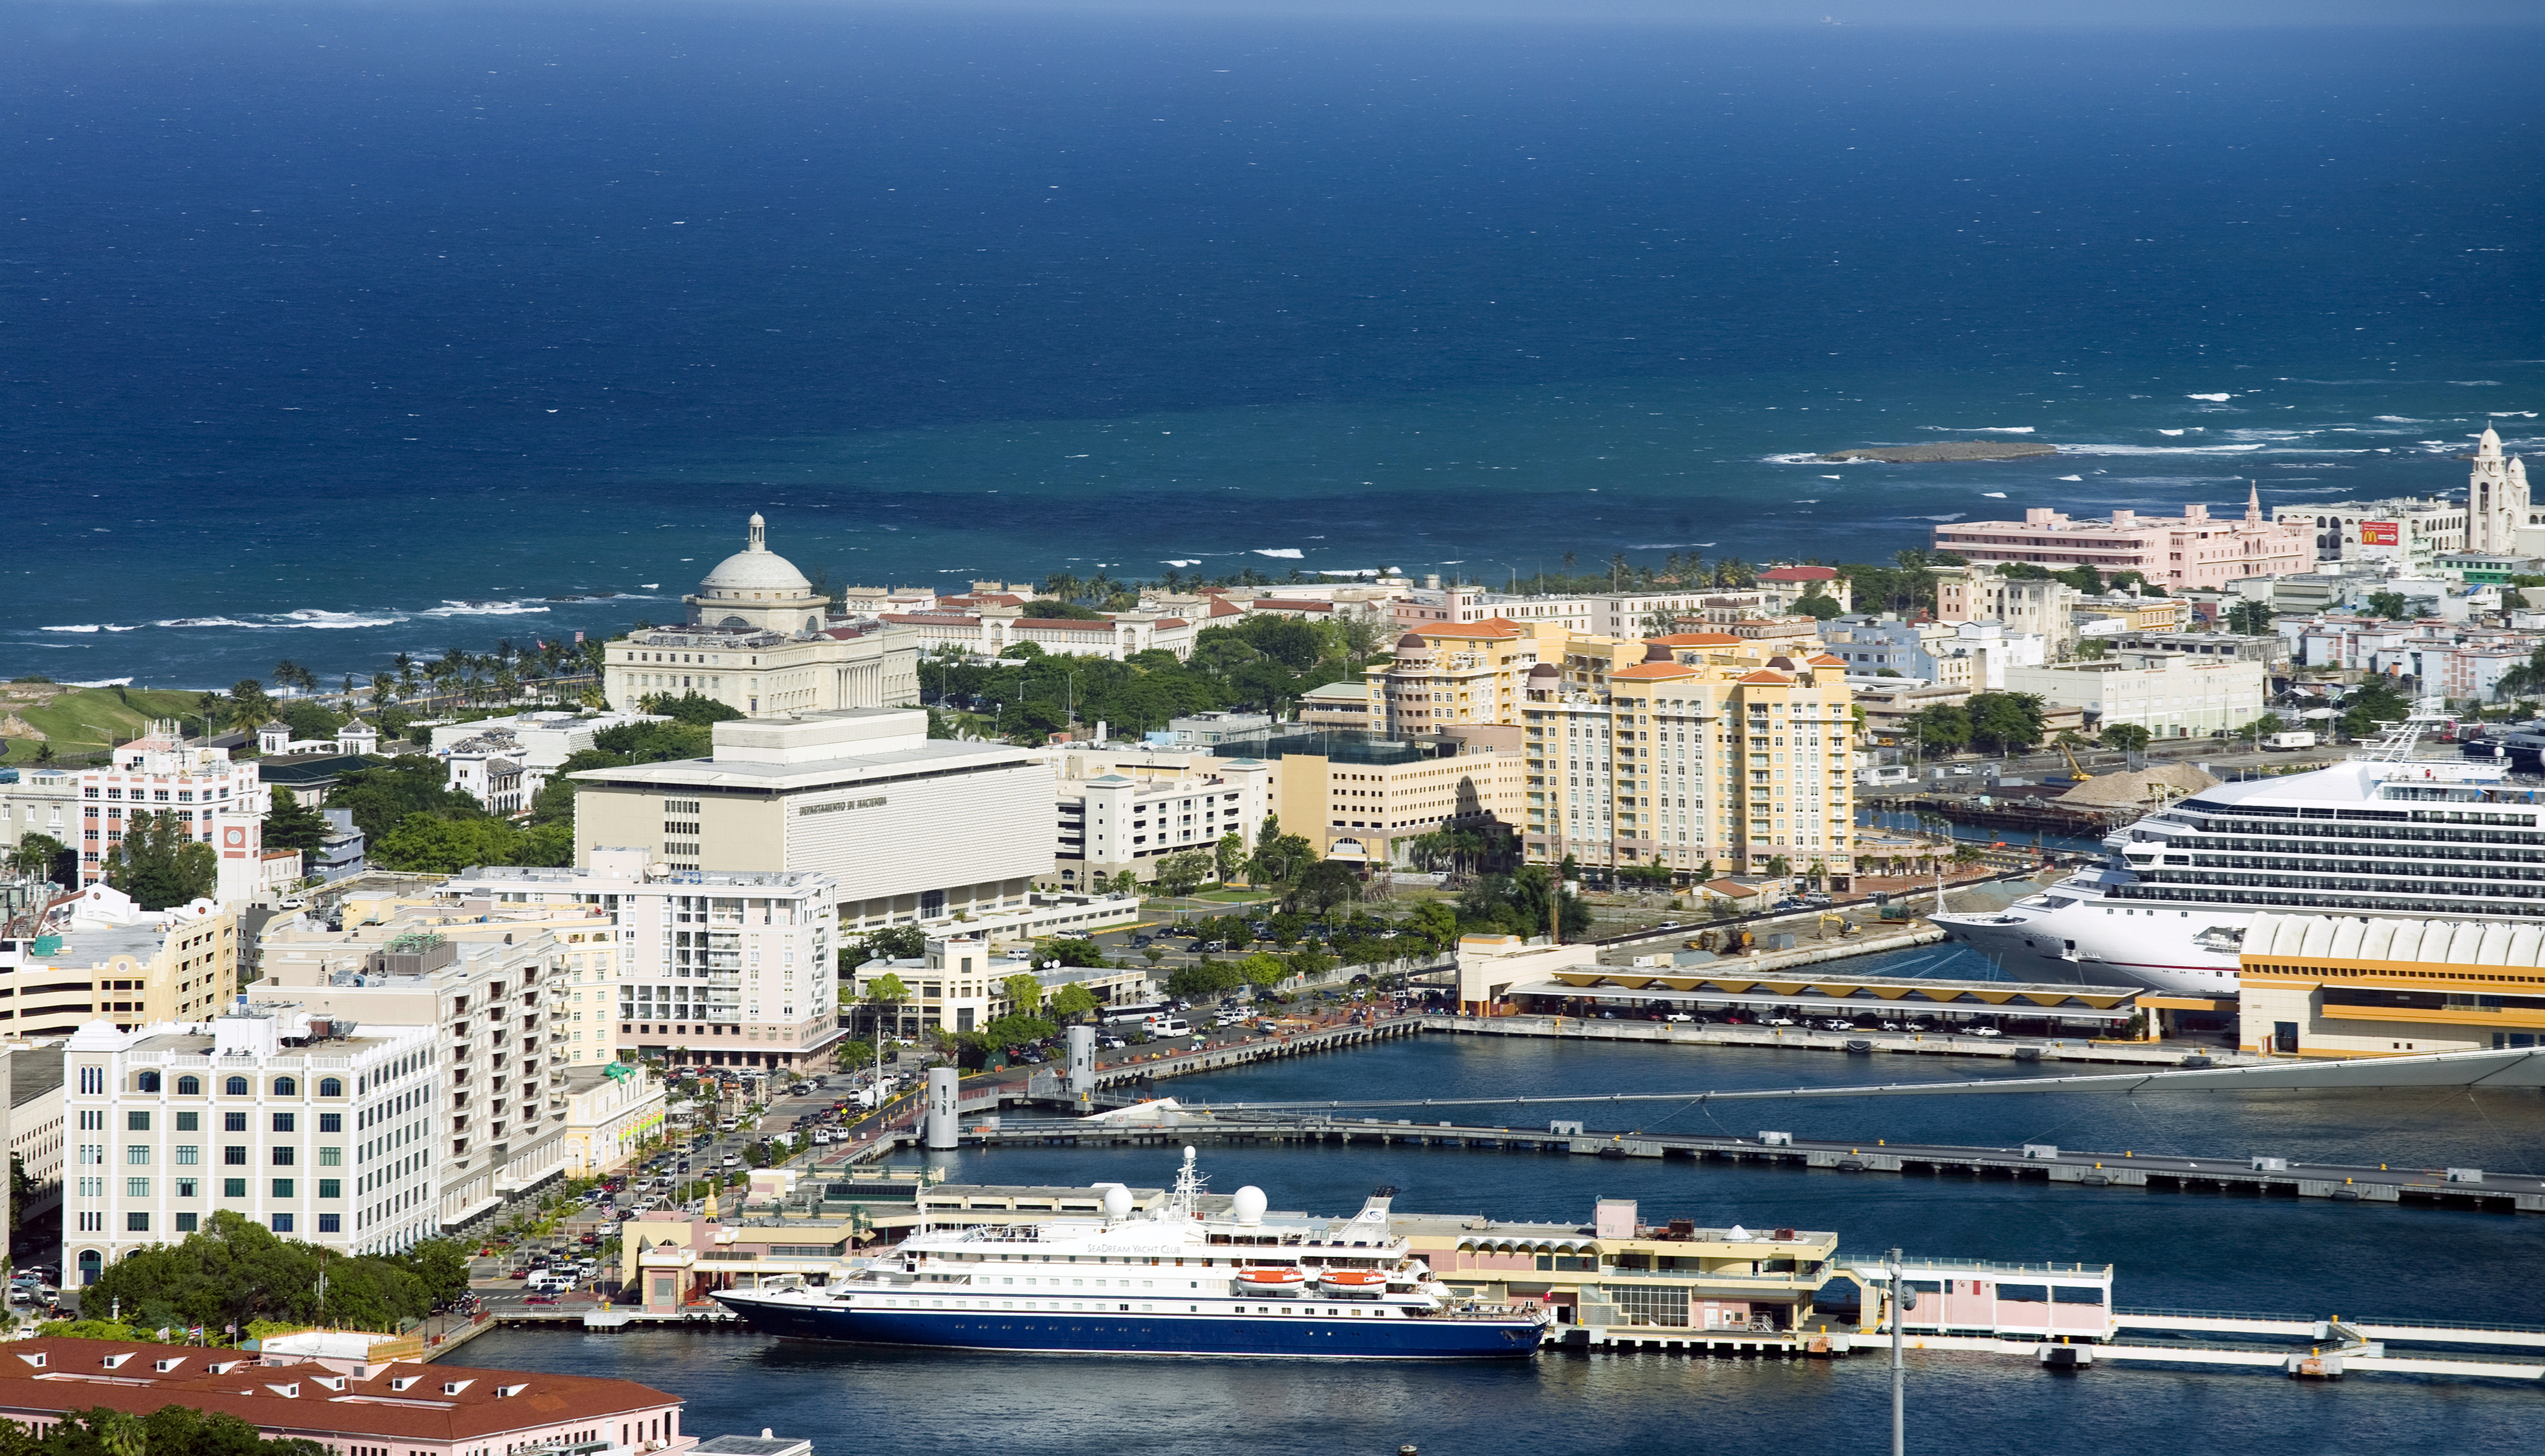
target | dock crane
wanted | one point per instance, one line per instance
(2075, 770)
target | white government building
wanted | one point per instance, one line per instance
(760, 639)
(907, 828)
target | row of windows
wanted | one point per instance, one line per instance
(187, 1223)
(93, 1155)
(234, 1086)
(138, 1120)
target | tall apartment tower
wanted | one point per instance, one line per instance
(2496, 497)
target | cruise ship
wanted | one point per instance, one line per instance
(1171, 1282)
(2381, 834)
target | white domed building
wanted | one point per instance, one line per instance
(762, 640)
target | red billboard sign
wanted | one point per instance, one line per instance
(2380, 533)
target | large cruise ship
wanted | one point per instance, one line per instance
(1173, 1282)
(2383, 833)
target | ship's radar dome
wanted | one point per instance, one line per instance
(1117, 1202)
(1247, 1206)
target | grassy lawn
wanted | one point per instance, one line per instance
(85, 720)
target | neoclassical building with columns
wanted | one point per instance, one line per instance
(760, 639)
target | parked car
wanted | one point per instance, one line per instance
(546, 1299)
(732, 1160)
(1984, 1032)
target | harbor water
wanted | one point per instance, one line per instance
(2173, 1251)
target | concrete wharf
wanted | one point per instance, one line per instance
(2250, 1176)
(1860, 1042)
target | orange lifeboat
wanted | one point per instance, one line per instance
(1352, 1281)
(1270, 1280)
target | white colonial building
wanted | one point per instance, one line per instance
(760, 639)
(215, 801)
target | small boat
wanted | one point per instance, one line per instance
(1272, 1278)
(1351, 1281)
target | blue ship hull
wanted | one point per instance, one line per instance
(1125, 1334)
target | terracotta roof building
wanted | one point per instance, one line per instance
(349, 1405)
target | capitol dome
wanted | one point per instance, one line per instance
(754, 572)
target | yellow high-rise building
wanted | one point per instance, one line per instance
(1710, 755)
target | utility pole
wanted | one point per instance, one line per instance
(1899, 1372)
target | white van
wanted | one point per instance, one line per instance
(1169, 1027)
(549, 1281)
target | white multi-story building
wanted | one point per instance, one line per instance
(2167, 694)
(38, 799)
(907, 828)
(532, 745)
(215, 801)
(960, 983)
(321, 1131)
(989, 630)
(1117, 822)
(725, 968)
(494, 988)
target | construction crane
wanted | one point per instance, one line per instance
(2075, 770)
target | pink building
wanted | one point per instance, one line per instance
(2172, 552)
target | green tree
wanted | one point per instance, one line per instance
(693, 708)
(892, 943)
(2005, 722)
(1436, 922)
(2392, 605)
(1071, 950)
(884, 994)
(1943, 728)
(292, 825)
(1183, 873)
(2127, 737)
(1072, 1003)
(1203, 981)
(2249, 618)
(443, 843)
(36, 855)
(1227, 856)
(1261, 970)
(160, 863)
(381, 794)
(2260, 728)
(2374, 703)
(1324, 885)
(1025, 995)
(2083, 578)
(234, 1272)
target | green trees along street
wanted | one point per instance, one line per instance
(159, 862)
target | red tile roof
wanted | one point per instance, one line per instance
(1764, 676)
(1799, 574)
(402, 1399)
(1646, 672)
(1064, 625)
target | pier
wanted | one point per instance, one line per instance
(2257, 1177)
(1860, 1042)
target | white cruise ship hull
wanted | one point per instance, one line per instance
(2090, 939)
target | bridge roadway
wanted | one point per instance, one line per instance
(2261, 1175)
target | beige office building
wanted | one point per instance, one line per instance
(909, 827)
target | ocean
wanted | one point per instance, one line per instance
(960, 295)
(2169, 1251)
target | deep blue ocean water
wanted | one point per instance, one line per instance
(334, 333)
(2170, 1250)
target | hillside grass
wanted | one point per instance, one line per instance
(85, 720)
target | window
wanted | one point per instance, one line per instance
(92, 1122)
(233, 1188)
(190, 1087)
(185, 1223)
(190, 1121)
(282, 1187)
(331, 1188)
(137, 1223)
(331, 1087)
(284, 1086)
(234, 1122)
(282, 1223)
(185, 1187)
(234, 1157)
(283, 1121)
(92, 1155)
(146, 1082)
(331, 1157)
(138, 1155)
(331, 1223)
(137, 1121)
(331, 1122)
(136, 1187)
(236, 1087)
(282, 1157)
(187, 1154)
